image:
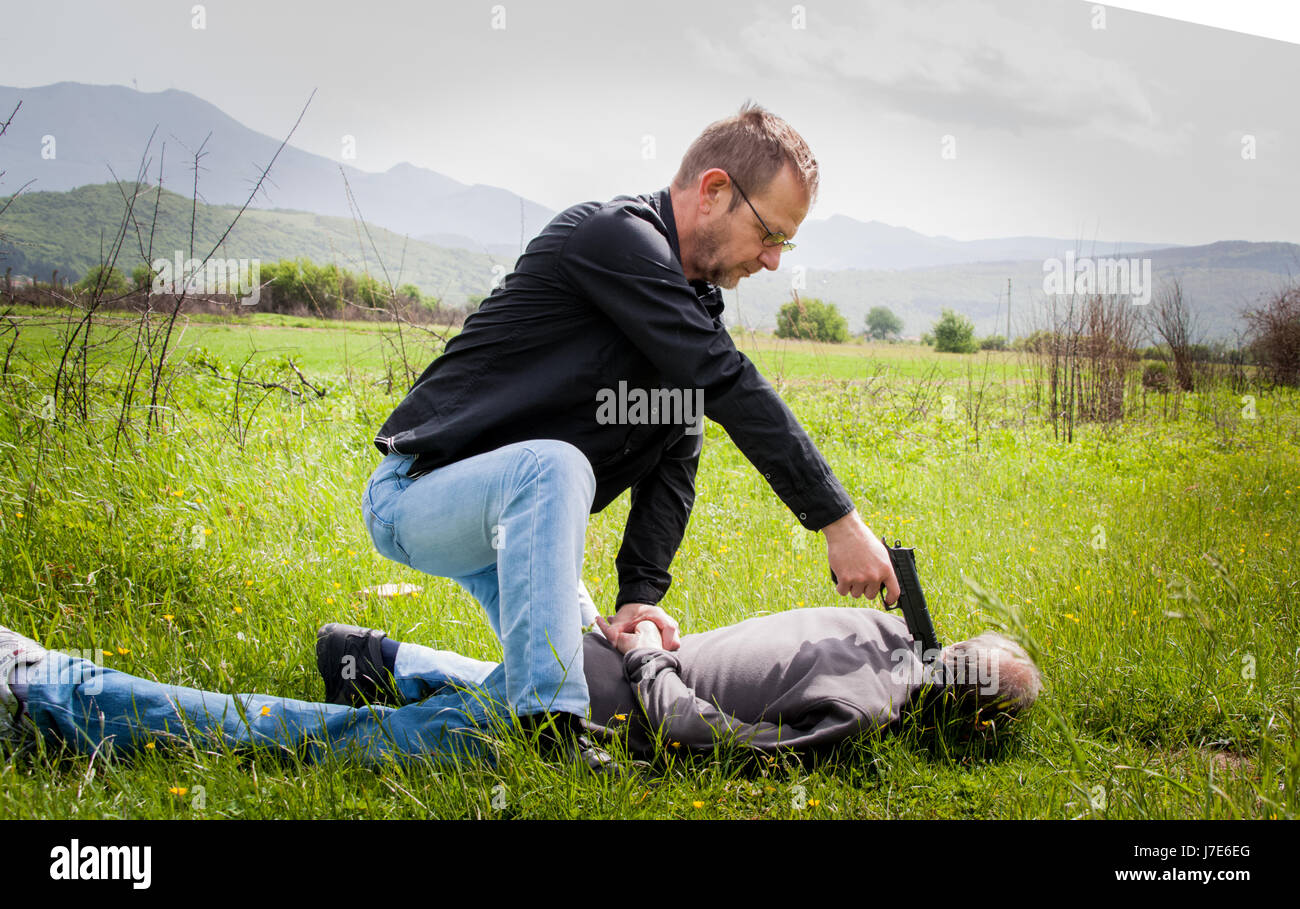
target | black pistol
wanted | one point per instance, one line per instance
(910, 599)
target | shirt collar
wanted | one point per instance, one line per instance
(710, 294)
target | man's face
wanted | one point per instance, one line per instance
(729, 245)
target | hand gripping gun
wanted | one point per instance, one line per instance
(910, 599)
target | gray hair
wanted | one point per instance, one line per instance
(995, 672)
(753, 146)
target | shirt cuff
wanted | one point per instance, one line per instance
(647, 662)
(640, 592)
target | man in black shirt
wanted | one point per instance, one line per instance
(508, 440)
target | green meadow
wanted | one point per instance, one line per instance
(1149, 564)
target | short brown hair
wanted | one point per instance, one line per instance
(753, 147)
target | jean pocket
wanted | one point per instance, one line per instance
(384, 536)
(377, 503)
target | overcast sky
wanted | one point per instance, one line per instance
(1061, 127)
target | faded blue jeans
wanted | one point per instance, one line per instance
(88, 707)
(509, 526)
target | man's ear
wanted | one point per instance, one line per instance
(711, 185)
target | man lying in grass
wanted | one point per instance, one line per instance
(789, 680)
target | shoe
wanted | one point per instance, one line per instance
(351, 662)
(564, 737)
(15, 651)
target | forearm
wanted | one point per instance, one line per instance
(678, 718)
(660, 510)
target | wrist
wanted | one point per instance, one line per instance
(850, 524)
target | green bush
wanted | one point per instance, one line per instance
(104, 280)
(993, 342)
(954, 333)
(812, 320)
(142, 277)
(1156, 376)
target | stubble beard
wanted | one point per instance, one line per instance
(709, 241)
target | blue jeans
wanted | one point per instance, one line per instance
(509, 526)
(74, 701)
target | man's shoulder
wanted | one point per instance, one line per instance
(624, 222)
(867, 621)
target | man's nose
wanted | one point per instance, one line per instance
(771, 257)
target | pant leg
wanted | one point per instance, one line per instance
(510, 526)
(88, 707)
(423, 671)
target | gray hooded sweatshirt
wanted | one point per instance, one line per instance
(796, 679)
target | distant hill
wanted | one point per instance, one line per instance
(842, 242)
(95, 127)
(46, 230)
(1219, 280)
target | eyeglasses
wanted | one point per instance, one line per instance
(773, 238)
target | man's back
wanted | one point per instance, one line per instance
(822, 674)
(530, 361)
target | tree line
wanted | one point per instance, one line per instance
(1271, 340)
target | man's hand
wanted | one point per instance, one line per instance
(859, 560)
(646, 634)
(624, 623)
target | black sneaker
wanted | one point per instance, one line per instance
(352, 664)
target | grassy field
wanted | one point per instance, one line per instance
(1150, 565)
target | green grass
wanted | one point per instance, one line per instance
(208, 556)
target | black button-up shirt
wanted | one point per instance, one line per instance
(599, 297)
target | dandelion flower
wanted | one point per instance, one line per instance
(266, 711)
(122, 651)
(697, 804)
(178, 790)
(149, 746)
(239, 610)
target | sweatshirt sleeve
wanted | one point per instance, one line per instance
(674, 713)
(620, 262)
